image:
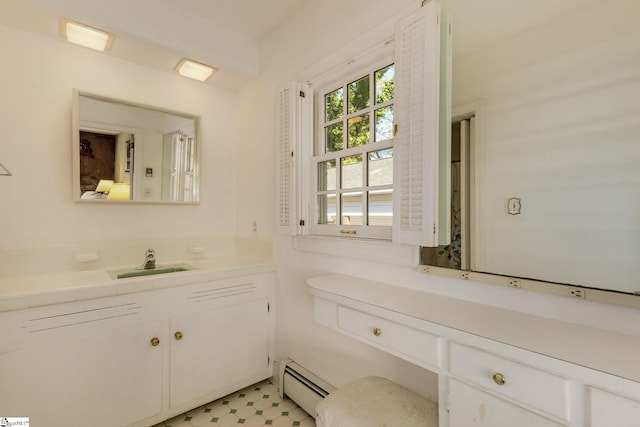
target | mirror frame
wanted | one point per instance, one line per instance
(75, 141)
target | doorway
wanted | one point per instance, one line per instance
(457, 254)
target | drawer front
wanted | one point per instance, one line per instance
(530, 386)
(609, 409)
(469, 406)
(415, 345)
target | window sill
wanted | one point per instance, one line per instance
(378, 251)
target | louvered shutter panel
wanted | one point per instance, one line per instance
(415, 151)
(293, 112)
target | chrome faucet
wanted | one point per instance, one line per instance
(149, 260)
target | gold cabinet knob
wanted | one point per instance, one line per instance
(499, 379)
(178, 335)
(155, 341)
(377, 332)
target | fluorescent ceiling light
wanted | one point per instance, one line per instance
(86, 36)
(194, 70)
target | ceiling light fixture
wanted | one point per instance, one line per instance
(194, 70)
(86, 36)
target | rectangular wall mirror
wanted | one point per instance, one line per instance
(559, 210)
(546, 158)
(124, 152)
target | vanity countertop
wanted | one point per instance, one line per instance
(33, 290)
(595, 348)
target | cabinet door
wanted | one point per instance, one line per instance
(85, 381)
(218, 348)
(469, 406)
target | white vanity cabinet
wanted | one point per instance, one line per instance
(481, 381)
(135, 359)
(214, 350)
(81, 364)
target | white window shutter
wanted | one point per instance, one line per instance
(417, 104)
(293, 110)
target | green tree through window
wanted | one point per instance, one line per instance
(358, 126)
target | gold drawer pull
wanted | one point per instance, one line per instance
(348, 232)
(377, 332)
(155, 341)
(499, 379)
(178, 335)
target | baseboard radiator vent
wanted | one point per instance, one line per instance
(302, 386)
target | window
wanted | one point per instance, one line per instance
(361, 157)
(353, 156)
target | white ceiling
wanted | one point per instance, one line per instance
(226, 33)
(254, 18)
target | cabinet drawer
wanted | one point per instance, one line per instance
(609, 409)
(469, 406)
(405, 341)
(528, 385)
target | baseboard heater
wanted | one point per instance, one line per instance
(302, 386)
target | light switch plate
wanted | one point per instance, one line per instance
(514, 206)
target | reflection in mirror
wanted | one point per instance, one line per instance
(551, 186)
(558, 209)
(457, 254)
(124, 151)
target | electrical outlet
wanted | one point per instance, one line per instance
(515, 283)
(576, 292)
(255, 226)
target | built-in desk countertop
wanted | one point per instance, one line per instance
(594, 348)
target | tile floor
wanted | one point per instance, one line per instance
(257, 405)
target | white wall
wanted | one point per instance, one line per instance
(36, 205)
(291, 52)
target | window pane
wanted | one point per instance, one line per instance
(358, 95)
(380, 207)
(381, 167)
(351, 208)
(351, 171)
(327, 209)
(333, 137)
(384, 84)
(333, 104)
(384, 123)
(358, 130)
(327, 175)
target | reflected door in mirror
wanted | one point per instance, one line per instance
(97, 159)
(178, 168)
